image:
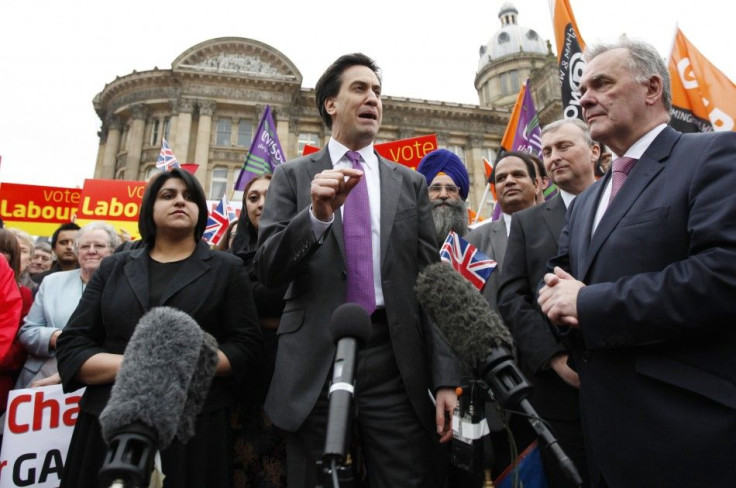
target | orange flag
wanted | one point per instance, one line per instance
(507, 143)
(703, 98)
(570, 47)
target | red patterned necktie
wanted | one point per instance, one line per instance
(621, 168)
(356, 218)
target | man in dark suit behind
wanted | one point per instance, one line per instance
(646, 283)
(569, 155)
(302, 243)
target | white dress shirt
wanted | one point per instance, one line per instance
(372, 177)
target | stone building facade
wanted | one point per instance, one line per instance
(209, 103)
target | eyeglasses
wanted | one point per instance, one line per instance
(449, 189)
(95, 246)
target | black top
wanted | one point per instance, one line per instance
(160, 275)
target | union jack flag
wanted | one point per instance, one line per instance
(475, 266)
(166, 159)
(218, 221)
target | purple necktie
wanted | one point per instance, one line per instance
(356, 218)
(621, 168)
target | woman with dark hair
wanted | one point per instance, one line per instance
(177, 269)
(260, 447)
(12, 353)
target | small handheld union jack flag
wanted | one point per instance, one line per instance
(218, 221)
(475, 266)
(166, 159)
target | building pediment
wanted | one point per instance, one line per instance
(237, 56)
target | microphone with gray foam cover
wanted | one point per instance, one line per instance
(350, 326)
(483, 346)
(167, 369)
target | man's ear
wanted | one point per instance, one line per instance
(655, 89)
(330, 105)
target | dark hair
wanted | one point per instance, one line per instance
(538, 166)
(9, 244)
(146, 224)
(526, 157)
(329, 83)
(62, 228)
(246, 235)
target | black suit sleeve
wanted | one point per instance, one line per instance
(517, 303)
(85, 333)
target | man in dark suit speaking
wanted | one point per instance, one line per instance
(346, 225)
(645, 281)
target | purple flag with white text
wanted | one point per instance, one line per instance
(528, 137)
(265, 152)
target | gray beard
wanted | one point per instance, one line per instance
(449, 215)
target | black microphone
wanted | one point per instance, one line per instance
(483, 346)
(167, 369)
(350, 326)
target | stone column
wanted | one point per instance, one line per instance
(135, 141)
(102, 135)
(185, 107)
(474, 164)
(204, 135)
(112, 145)
(172, 124)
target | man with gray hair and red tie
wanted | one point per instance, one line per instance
(645, 281)
(346, 225)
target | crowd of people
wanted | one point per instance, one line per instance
(618, 292)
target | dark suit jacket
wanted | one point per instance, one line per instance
(491, 239)
(211, 286)
(532, 242)
(657, 353)
(315, 271)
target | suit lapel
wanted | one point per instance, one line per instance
(645, 170)
(390, 188)
(136, 271)
(498, 240)
(554, 217)
(191, 270)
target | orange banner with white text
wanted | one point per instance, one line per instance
(38, 210)
(703, 98)
(408, 152)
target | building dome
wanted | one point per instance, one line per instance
(510, 39)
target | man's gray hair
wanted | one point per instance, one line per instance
(553, 126)
(112, 237)
(644, 62)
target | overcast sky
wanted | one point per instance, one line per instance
(55, 56)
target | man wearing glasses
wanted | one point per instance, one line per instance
(448, 184)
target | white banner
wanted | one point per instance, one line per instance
(38, 427)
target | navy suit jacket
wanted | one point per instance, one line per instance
(657, 342)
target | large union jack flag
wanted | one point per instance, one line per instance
(218, 221)
(166, 159)
(475, 266)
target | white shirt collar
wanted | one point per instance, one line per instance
(337, 151)
(507, 221)
(567, 197)
(639, 147)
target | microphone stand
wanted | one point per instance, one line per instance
(331, 474)
(507, 384)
